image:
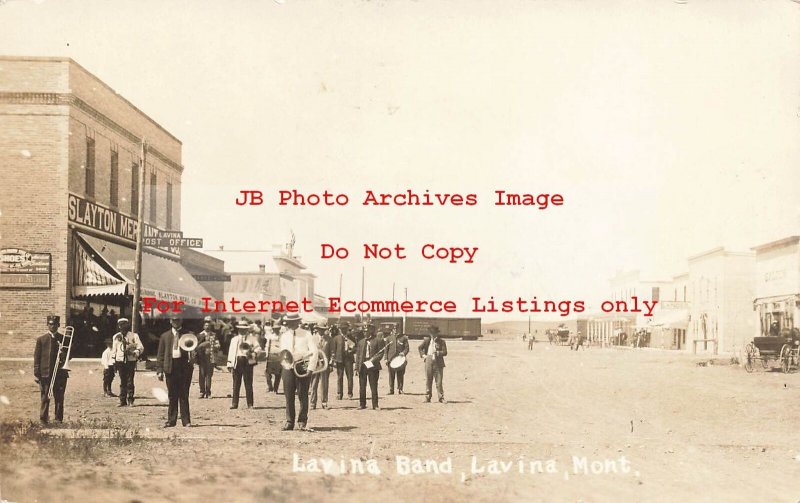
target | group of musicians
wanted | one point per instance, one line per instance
(303, 359)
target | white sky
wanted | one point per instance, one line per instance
(669, 128)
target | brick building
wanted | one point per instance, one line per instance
(70, 158)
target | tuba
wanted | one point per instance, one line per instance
(188, 342)
(301, 367)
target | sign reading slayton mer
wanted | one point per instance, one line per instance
(89, 214)
(24, 269)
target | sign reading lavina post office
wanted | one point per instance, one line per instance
(94, 216)
(23, 269)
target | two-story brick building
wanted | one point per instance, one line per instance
(70, 159)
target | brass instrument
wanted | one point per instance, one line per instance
(301, 367)
(188, 342)
(66, 341)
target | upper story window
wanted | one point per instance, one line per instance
(114, 180)
(89, 167)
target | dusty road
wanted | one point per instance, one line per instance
(596, 425)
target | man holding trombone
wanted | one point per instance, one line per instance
(48, 369)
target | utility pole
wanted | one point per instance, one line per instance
(362, 283)
(137, 269)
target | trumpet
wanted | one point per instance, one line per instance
(66, 341)
(188, 342)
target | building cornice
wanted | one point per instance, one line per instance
(69, 99)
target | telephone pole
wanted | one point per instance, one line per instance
(137, 269)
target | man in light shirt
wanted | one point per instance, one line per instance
(107, 360)
(300, 343)
(242, 355)
(126, 349)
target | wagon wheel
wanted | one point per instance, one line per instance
(786, 358)
(749, 357)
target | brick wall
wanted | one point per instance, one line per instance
(33, 202)
(43, 157)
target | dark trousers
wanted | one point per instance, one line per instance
(206, 373)
(370, 375)
(272, 371)
(58, 396)
(323, 377)
(400, 374)
(127, 372)
(432, 372)
(244, 371)
(293, 385)
(342, 369)
(108, 378)
(178, 383)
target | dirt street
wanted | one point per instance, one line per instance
(594, 425)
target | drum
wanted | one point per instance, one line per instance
(397, 362)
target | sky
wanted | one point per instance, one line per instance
(668, 127)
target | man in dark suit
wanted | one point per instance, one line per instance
(396, 345)
(174, 363)
(433, 349)
(44, 362)
(343, 355)
(368, 366)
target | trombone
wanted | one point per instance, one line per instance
(66, 341)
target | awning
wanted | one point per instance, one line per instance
(678, 318)
(161, 278)
(92, 276)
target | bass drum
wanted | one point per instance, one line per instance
(398, 361)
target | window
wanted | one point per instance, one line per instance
(655, 293)
(153, 194)
(89, 167)
(135, 189)
(114, 200)
(169, 206)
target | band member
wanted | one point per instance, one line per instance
(107, 360)
(325, 344)
(44, 363)
(369, 352)
(433, 349)
(242, 354)
(396, 345)
(126, 349)
(344, 358)
(174, 363)
(207, 347)
(531, 340)
(301, 345)
(272, 347)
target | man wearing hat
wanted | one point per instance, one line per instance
(300, 345)
(343, 357)
(173, 362)
(396, 345)
(242, 355)
(433, 349)
(207, 347)
(272, 370)
(324, 342)
(44, 364)
(126, 349)
(369, 351)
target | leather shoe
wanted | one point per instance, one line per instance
(399, 392)
(441, 400)
(234, 407)
(324, 405)
(362, 407)
(287, 427)
(391, 392)
(122, 405)
(187, 425)
(168, 425)
(376, 408)
(427, 400)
